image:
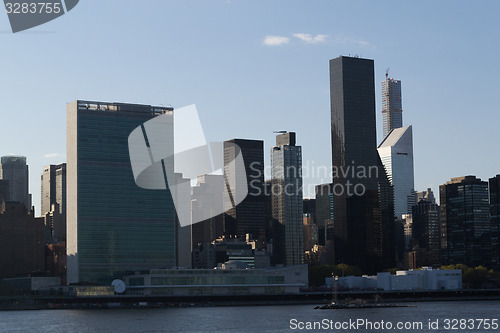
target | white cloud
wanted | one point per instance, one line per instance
(275, 40)
(311, 39)
(53, 155)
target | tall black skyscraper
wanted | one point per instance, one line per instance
(363, 208)
(495, 220)
(249, 215)
(426, 233)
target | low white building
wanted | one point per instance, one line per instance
(232, 278)
(364, 282)
(422, 279)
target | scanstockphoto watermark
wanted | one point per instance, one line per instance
(27, 14)
(349, 180)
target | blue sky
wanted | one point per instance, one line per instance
(214, 53)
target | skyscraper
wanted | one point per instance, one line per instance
(426, 233)
(4, 190)
(249, 215)
(495, 220)
(465, 225)
(396, 153)
(324, 209)
(363, 220)
(427, 195)
(204, 203)
(53, 182)
(21, 241)
(113, 225)
(392, 109)
(286, 177)
(15, 170)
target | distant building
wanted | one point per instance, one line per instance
(392, 106)
(114, 225)
(310, 233)
(465, 225)
(324, 209)
(55, 260)
(396, 153)
(4, 190)
(21, 241)
(427, 233)
(425, 279)
(286, 174)
(422, 279)
(495, 220)
(55, 225)
(319, 255)
(249, 215)
(309, 208)
(363, 200)
(183, 235)
(53, 202)
(15, 170)
(232, 279)
(204, 204)
(427, 195)
(53, 181)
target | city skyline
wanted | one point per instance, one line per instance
(432, 52)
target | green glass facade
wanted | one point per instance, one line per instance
(114, 226)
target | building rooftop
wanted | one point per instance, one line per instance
(122, 107)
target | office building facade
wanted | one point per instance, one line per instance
(114, 226)
(426, 233)
(53, 181)
(494, 188)
(287, 198)
(15, 170)
(324, 209)
(21, 241)
(465, 225)
(249, 215)
(396, 153)
(427, 195)
(364, 224)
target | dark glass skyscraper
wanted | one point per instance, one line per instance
(114, 226)
(426, 233)
(324, 209)
(363, 221)
(495, 220)
(465, 225)
(249, 215)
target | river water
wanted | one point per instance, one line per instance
(475, 317)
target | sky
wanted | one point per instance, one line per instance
(253, 67)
